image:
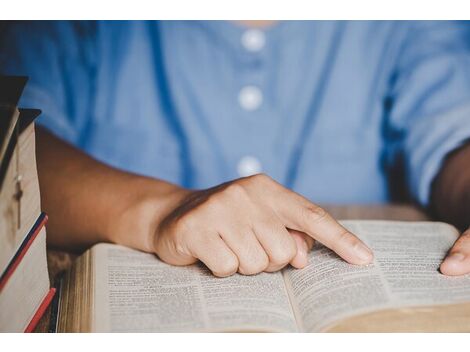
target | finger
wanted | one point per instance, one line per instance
(174, 252)
(310, 241)
(212, 250)
(457, 261)
(300, 214)
(277, 242)
(304, 245)
(252, 258)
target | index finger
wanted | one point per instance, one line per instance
(300, 214)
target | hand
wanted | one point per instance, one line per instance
(250, 225)
(457, 261)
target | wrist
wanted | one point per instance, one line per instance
(450, 198)
(146, 203)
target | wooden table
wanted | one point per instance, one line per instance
(60, 261)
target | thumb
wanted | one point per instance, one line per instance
(457, 261)
(304, 244)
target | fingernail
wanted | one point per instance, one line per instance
(456, 257)
(363, 252)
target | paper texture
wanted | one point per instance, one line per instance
(404, 273)
(24, 291)
(135, 292)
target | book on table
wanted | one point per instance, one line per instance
(24, 281)
(111, 288)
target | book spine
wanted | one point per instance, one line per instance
(41, 310)
(20, 253)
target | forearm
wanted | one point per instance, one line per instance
(249, 225)
(89, 202)
(451, 189)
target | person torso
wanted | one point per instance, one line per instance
(201, 103)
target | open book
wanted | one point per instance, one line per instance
(113, 288)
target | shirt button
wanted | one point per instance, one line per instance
(250, 98)
(253, 40)
(248, 165)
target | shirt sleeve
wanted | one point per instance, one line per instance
(57, 57)
(430, 99)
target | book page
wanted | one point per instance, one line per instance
(404, 273)
(25, 290)
(136, 292)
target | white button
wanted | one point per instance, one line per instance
(248, 165)
(253, 40)
(250, 98)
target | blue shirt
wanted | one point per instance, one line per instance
(329, 109)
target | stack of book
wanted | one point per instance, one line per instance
(25, 289)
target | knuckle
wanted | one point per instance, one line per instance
(284, 254)
(345, 238)
(314, 213)
(226, 267)
(235, 191)
(258, 180)
(254, 266)
(261, 178)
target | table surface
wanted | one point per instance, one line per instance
(59, 261)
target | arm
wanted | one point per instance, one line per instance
(89, 202)
(247, 225)
(451, 202)
(430, 121)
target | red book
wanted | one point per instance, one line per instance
(25, 291)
